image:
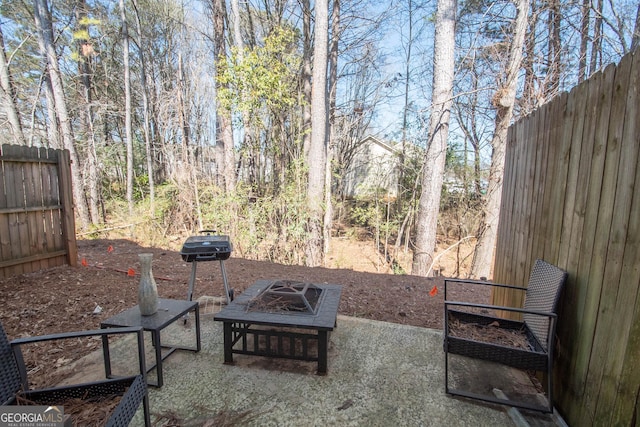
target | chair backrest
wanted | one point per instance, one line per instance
(9, 375)
(543, 292)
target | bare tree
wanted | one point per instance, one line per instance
(145, 110)
(127, 107)
(504, 100)
(635, 39)
(443, 70)
(224, 137)
(8, 96)
(44, 28)
(317, 150)
(333, 84)
(87, 134)
(584, 39)
(306, 76)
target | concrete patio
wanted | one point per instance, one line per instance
(380, 374)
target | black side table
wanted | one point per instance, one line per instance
(168, 312)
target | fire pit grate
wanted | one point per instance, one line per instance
(287, 296)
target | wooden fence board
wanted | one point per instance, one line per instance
(13, 171)
(611, 310)
(68, 220)
(584, 210)
(5, 241)
(575, 231)
(593, 169)
(537, 228)
(48, 184)
(625, 366)
(603, 200)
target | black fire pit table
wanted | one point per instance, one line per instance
(281, 318)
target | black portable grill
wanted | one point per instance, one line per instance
(208, 247)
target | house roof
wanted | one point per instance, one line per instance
(379, 142)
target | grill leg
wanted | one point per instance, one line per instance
(227, 293)
(192, 280)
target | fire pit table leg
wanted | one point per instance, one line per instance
(228, 343)
(323, 345)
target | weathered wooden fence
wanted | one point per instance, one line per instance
(37, 228)
(571, 196)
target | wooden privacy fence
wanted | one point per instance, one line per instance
(571, 196)
(37, 228)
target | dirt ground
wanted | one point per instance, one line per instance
(106, 279)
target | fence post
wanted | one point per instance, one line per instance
(66, 197)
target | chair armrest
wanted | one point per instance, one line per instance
(103, 333)
(498, 307)
(75, 334)
(480, 282)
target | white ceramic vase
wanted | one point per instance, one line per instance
(147, 290)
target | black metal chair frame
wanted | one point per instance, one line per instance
(133, 389)
(538, 327)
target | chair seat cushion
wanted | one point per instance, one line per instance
(132, 389)
(534, 357)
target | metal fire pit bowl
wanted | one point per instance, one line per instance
(287, 296)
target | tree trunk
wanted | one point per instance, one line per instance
(584, 40)
(9, 96)
(317, 150)
(223, 129)
(504, 102)
(333, 83)
(554, 51)
(146, 113)
(596, 44)
(127, 107)
(635, 39)
(443, 69)
(45, 35)
(306, 76)
(86, 115)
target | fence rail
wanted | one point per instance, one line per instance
(37, 228)
(571, 196)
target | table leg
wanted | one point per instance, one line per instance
(106, 356)
(197, 310)
(156, 339)
(323, 345)
(228, 343)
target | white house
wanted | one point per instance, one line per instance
(374, 166)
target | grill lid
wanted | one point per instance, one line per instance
(206, 248)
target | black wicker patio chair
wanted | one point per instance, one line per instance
(14, 384)
(537, 329)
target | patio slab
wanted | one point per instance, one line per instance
(380, 374)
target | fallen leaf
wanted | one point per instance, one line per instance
(131, 272)
(347, 404)
(434, 291)
(84, 262)
(110, 249)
